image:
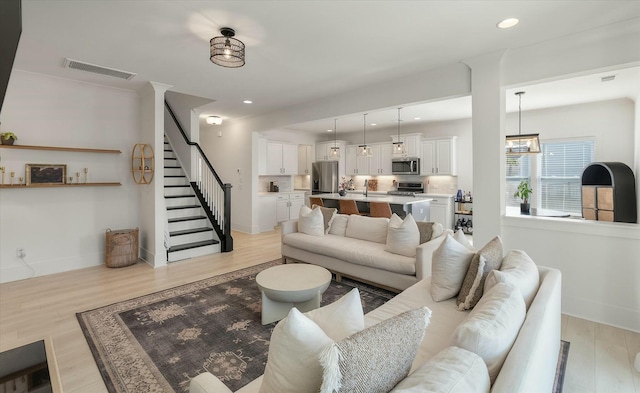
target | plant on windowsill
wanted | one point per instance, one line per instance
(523, 192)
(7, 138)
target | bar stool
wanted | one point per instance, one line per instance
(348, 206)
(380, 209)
(316, 201)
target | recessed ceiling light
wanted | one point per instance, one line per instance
(507, 23)
(329, 130)
(416, 118)
(373, 124)
(248, 102)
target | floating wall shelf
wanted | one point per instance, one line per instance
(60, 148)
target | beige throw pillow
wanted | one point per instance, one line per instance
(518, 269)
(473, 284)
(328, 214)
(377, 358)
(338, 225)
(402, 236)
(311, 221)
(449, 266)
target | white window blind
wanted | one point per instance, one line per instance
(561, 169)
(517, 169)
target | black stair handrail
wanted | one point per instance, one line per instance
(223, 232)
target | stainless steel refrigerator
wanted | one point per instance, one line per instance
(324, 177)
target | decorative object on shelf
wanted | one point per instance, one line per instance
(523, 192)
(217, 120)
(70, 180)
(364, 150)
(7, 138)
(522, 143)
(225, 50)
(86, 175)
(335, 149)
(20, 180)
(2, 169)
(142, 163)
(398, 145)
(77, 177)
(459, 195)
(45, 173)
(13, 174)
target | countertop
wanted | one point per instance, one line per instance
(380, 197)
(266, 193)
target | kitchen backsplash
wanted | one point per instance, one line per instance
(441, 185)
(283, 182)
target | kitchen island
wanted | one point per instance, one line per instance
(401, 205)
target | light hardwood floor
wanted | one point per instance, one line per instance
(600, 359)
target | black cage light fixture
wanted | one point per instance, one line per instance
(517, 145)
(227, 51)
(335, 149)
(398, 145)
(364, 150)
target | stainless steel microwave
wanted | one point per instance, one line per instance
(405, 166)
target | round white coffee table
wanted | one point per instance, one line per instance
(296, 285)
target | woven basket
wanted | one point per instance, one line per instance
(121, 247)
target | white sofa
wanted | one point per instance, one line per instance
(531, 362)
(363, 257)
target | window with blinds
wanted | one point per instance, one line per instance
(561, 166)
(517, 169)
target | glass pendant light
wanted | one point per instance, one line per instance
(398, 145)
(364, 150)
(516, 145)
(335, 149)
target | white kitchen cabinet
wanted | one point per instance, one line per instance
(305, 158)
(288, 206)
(281, 159)
(355, 164)
(323, 150)
(441, 210)
(411, 145)
(380, 161)
(439, 157)
(267, 213)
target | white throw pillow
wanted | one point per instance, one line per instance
(373, 229)
(449, 266)
(462, 239)
(341, 318)
(492, 326)
(452, 370)
(311, 221)
(338, 225)
(293, 365)
(377, 358)
(519, 270)
(403, 236)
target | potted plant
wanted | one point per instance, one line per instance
(7, 138)
(523, 192)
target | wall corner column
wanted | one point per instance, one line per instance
(488, 133)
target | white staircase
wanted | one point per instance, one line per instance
(190, 232)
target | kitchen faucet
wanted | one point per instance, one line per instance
(366, 187)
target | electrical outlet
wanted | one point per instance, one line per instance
(20, 253)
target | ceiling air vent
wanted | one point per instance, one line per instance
(96, 69)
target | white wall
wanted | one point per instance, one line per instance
(64, 228)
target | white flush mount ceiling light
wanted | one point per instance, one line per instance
(335, 149)
(507, 23)
(522, 143)
(214, 120)
(225, 50)
(364, 150)
(398, 145)
(247, 102)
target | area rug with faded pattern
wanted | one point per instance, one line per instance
(158, 342)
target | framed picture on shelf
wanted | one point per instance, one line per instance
(45, 173)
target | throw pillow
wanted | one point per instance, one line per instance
(338, 226)
(328, 214)
(492, 326)
(402, 236)
(310, 221)
(462, 239)
(377, 358)
(426, 230)
(473, 284)
(341, 318)
(294, 349)
(449, 266)
(373, 229)
(452, 370)
(438, 230)
(517, 269)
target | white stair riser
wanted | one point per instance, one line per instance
(191, 224)
(173, 171)
(181, 201)
(184, 212)
(194, 252)
(170, 162)
(192, 238)
(171, 181)
(169, 154)
(178, 191)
